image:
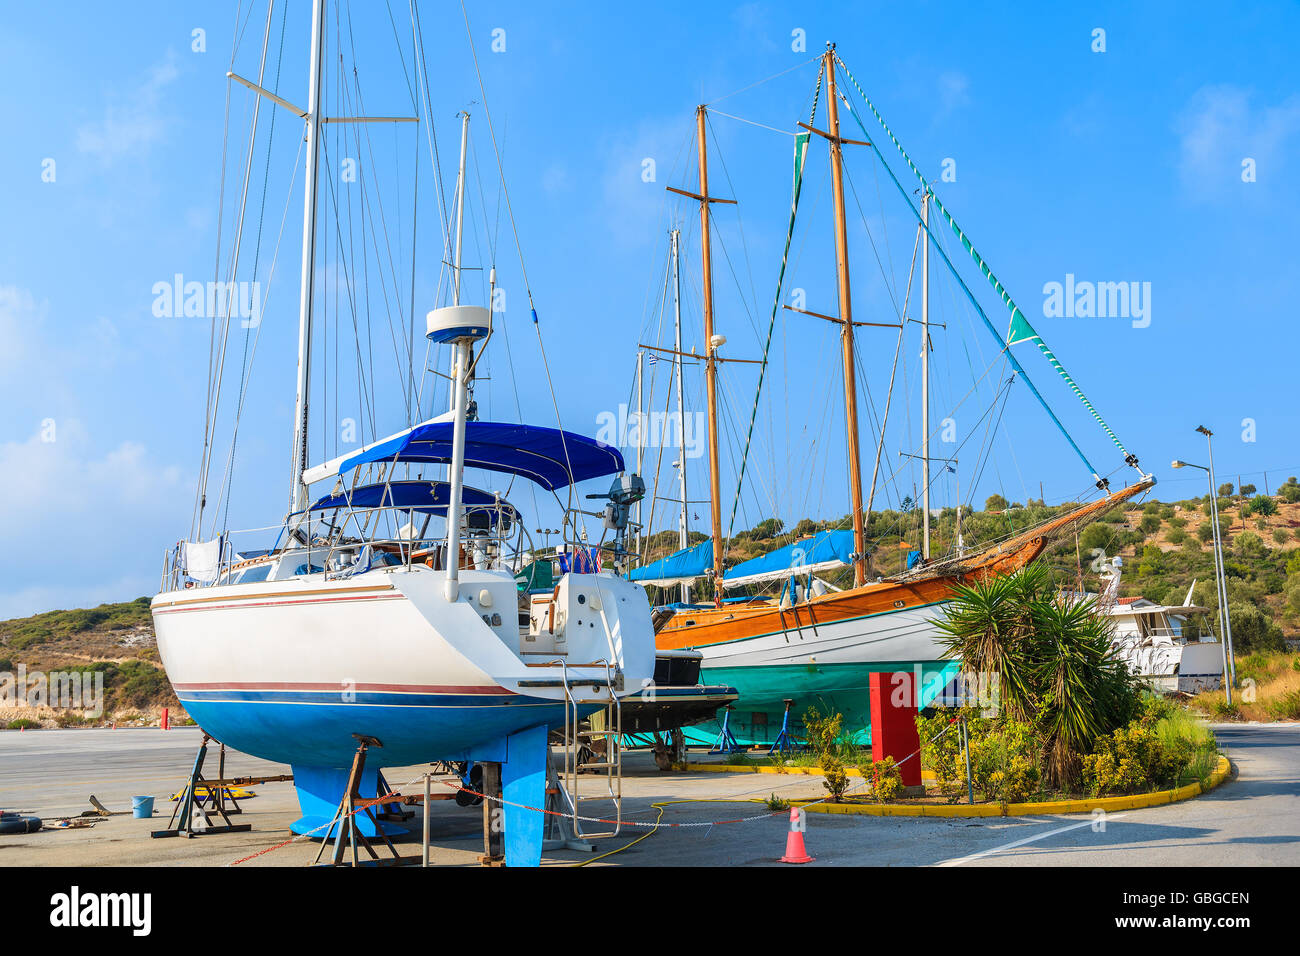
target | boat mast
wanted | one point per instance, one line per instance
(460, 229)
(925, 376)
(460, 203)
(846, 320)
(298, 488)
(682, 527)
(640, 434)
(710, 364)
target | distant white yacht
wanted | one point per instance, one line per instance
(1153, 640)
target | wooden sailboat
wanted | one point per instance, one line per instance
(815, 646)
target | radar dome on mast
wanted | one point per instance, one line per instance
(454, 323)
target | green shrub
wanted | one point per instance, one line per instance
(23, 723)
(1253, 630)
(837, 781)
(1163, 747)
(886, 779)
(1005, 758)
(942, 756)
(1285, 706)
(822, 733)
(1262, 505)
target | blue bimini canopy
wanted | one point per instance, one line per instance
(684, 565)
(548, 456)
(825, 549)
(426, 497)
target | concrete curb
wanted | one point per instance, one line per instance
(1133, 802)
(807, 771)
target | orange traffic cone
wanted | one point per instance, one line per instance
(794, 848)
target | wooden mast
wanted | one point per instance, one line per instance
(710, 362)
(846, 321)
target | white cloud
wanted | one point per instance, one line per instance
(634, 209)
(1221, 126)
(132, 122)
(21, 321)
(954, 92)
(84, 526)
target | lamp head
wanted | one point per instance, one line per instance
(1204, 431)
(1177, 464)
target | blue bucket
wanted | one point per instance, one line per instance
(142, 807)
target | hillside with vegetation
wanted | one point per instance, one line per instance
(115, 640)
(1165, 547)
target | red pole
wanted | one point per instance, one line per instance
(166, 724)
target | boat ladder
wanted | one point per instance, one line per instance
(596, 749)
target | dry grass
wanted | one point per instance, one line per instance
(1270, 690)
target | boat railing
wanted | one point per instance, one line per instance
(491, 535)
(1174, 635)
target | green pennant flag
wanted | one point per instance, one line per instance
(1019, 330)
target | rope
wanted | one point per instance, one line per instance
(975, 303)
(1018, 320)
(801, 152)
(523, 269)
(651, 826)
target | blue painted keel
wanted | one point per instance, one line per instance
(320, 789)
(312, 731)
(523, 781)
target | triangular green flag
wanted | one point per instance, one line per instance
(1019, 330)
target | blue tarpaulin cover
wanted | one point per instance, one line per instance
(548, 456)
(680, 565)
(824, 549)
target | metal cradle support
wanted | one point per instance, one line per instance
(785, 741)
(200, 800)
(345, 818)
(726, 742)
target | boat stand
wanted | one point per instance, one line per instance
(785, 741)
(559, 833)
(391, 809)
(726, 742)
(190, 816)
(352, 804)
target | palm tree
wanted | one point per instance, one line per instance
(1052, 657)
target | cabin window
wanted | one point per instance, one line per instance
(255, 574)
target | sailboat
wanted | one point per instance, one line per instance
(814, 644)
(362, 619)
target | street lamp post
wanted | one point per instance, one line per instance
(1214, 503)
(1220, 583)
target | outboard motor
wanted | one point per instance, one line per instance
(624, 492)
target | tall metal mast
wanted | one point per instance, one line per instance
(460, 204)
(640, 435)
(846, 321)
(298, 488)
(456, 254)
(925, 376)
(682, 526)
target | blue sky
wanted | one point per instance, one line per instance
(1123, 165)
